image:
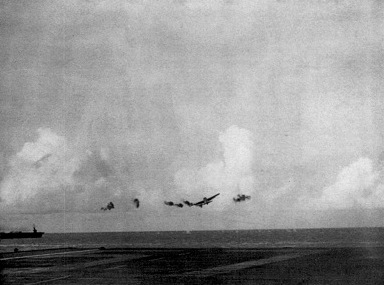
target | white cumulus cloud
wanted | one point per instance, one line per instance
(50, 174)
(357, 185)
(230, 175)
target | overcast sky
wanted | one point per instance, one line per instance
(169, 100)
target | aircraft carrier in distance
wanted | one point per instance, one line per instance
(12, 235)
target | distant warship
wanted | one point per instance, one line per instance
(11, 235)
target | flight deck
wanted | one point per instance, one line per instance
(364, 265)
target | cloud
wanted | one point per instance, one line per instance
(25, 180)
(50, 175)
(47, 143)
(230, 176)
(359, 185)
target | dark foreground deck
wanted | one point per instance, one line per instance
(195, 266)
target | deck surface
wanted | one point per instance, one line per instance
(195, 266)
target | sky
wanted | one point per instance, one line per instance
(169, 100)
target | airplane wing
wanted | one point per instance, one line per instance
(206, 201)
(210, 198)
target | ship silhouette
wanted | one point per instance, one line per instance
(12, 235)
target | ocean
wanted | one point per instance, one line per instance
(330, 237)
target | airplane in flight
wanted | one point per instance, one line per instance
(41, 161)
(206, 201)
(241, 198)
(108, 207)
(136, 202)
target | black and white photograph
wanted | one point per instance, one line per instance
(191, 142)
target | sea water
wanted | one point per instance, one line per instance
(335, 237)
